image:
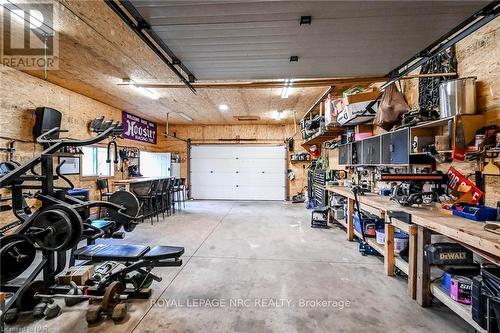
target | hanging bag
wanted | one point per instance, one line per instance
(392, 107)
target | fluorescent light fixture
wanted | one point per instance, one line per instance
(185, 116)
(145, 91)
(223, 107)
(285, 91)
(278, 115)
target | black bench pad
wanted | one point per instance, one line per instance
(164, 252)
(104, 252)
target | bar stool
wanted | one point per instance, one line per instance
(178, 193)
(165, 191)
(104, 192)
(158, 199)
(171, 194)
(184, 191)
(148, 200)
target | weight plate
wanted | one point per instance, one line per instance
(76, 224)
(51, 229)
(26, 300)
(112, 296)
(17, 253)
(132, 206)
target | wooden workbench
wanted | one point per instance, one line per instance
(426, 220)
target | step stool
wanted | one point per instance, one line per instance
(319, 217)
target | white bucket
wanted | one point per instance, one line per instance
(400, 239)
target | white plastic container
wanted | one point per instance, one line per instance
(400, 239)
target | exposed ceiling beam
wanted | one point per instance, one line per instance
(261, 84)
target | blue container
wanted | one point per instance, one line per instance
(379, 223)
(476, 212)
(446, 281)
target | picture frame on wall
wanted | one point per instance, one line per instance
(71, 165)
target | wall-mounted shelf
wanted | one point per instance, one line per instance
(395, 148)
(326, 134)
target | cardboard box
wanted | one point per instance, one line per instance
(367, 95)
(77, 274)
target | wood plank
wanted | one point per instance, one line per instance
(424, 297)
(389, 250)
(412, 261)
(402, 265)
(350, 219)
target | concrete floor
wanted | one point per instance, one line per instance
(259, 267)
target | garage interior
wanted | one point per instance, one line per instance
(249, 166)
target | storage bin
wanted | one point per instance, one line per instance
(366, 221)
(475, 212)
(400, 239)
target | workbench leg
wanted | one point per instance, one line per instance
(412, 261)
(389, 250)
(350, 219)
(424, 296)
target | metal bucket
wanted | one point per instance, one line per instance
(457, 97)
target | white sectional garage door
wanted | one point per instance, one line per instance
(238, 172)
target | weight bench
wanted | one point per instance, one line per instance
(136, 259)
(161, 255)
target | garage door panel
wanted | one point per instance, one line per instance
(211, 192)
(241, 165)
(259, 193)
(238, 172)
(233, 179)
(252, 152)
(261, 180)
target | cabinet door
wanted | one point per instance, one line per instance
(400, 147)
(371, 150)
(342, 154)
(386, 148)
(357, 152)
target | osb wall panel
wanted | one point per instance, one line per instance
(22, 93)
(477, 55)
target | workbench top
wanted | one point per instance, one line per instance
(435, 218)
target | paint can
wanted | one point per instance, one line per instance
(461, 288)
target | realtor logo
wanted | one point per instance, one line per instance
(29, 40)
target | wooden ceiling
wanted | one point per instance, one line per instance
(97, 50)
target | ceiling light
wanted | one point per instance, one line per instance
(223, 107)
(146, 92)
(278, 115)
(285, 91)
(185, 116)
